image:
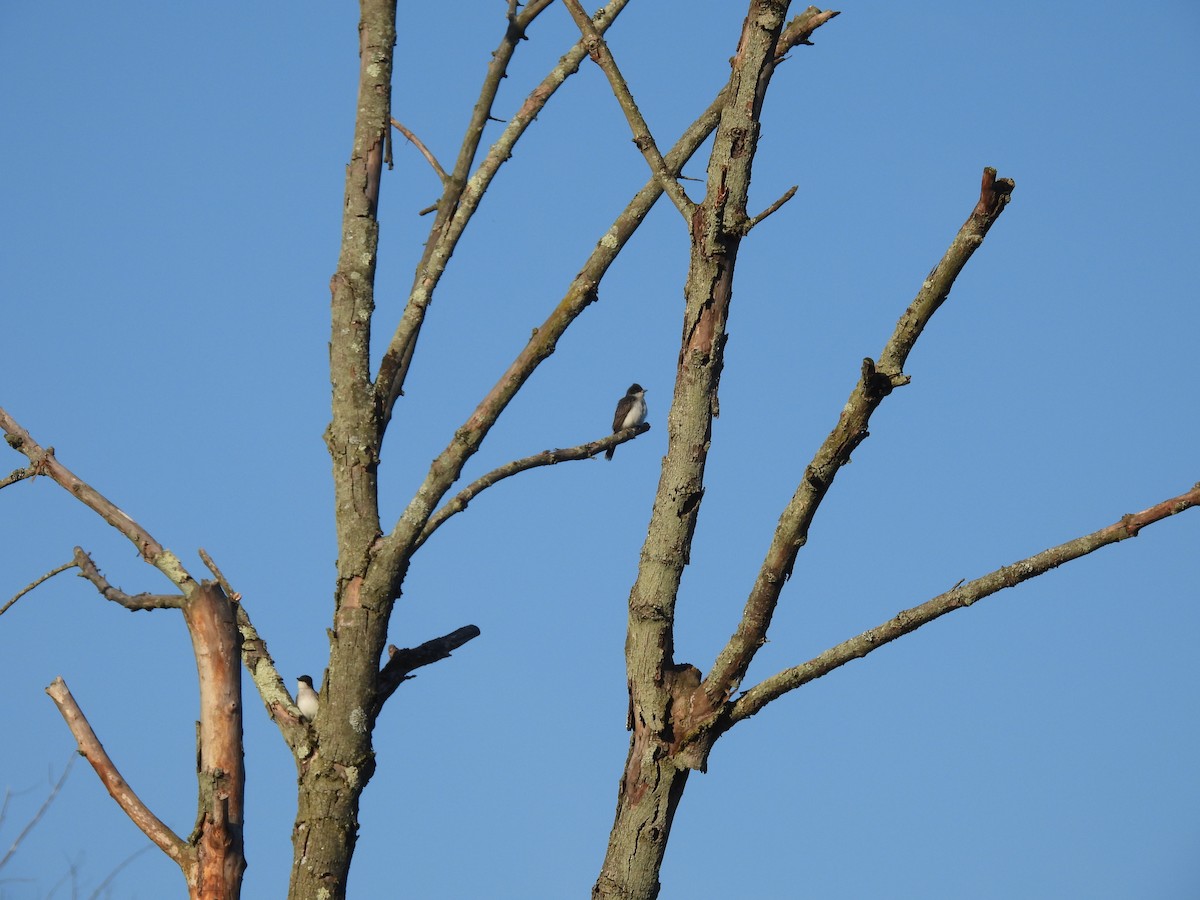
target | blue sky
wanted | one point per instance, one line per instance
(172, 194)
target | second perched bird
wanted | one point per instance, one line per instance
(631, 411)
(306, 697)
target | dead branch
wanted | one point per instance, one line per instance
(546, 458)
(959, 597)
(91, 749)
(403, 660)
(233, 595)
(875, 383)
(598, 50)
(88, 570)
(29, 587)
(217, 840)
(420, 145)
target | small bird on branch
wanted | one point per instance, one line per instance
(306, 697)
(631, 411)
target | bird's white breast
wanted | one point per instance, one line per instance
(636, 414)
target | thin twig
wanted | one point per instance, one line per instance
(642, 137)
(116, 871)
(788, 195)
(420, 145)
(958, 597)
(18, 475)
(220, 576)
(29, 587)
(62, 779)
(546, 458)
(91, 748)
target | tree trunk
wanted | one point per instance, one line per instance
(671, 718)
(336, 766)
(326, 829)
(216, 843)
(648, 797)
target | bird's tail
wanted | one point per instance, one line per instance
(609, 452)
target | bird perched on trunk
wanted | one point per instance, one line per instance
(631, 411)
(306, 697)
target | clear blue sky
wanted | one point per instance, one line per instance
(172, 178)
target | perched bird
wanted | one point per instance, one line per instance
(631, 410)
(306, 697)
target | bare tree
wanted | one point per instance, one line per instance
(677, 710)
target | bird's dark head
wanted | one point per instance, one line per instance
(307, 679)
(635, 389)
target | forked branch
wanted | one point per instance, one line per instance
(875, 382)
(88, 570)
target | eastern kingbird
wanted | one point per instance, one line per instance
(631, 411)
(306, 697)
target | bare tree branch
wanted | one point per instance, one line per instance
(875, 383)
(546, 458)
(598, 50)
(45, 463)
(91, 748)
(420, 145)
(958, 597)
(29, 587)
